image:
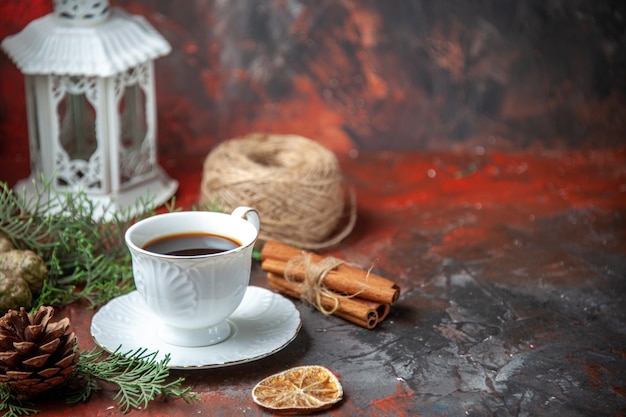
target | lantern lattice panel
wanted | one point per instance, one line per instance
(77, 156)
(137, 154)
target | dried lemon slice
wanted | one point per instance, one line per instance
(303, 389)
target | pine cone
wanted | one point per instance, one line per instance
(36, 355)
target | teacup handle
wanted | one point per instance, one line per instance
(249, 214)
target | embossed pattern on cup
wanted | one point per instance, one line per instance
(192, 293)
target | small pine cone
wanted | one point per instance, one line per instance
(36, 355)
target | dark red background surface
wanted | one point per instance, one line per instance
(372, 75)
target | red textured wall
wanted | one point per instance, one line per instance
(372, 75)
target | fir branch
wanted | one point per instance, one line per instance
(138, 375)
(11, 405)
(86, 259)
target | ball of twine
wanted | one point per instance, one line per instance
(293, 182)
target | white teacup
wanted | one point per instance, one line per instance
(192, 295)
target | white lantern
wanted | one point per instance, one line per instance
(91, 105)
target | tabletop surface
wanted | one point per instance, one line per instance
(512, 269)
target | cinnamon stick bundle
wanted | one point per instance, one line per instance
(345, 279)
(357, 296)
(360, 312)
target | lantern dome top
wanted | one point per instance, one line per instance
(84, 38)
(81, 12)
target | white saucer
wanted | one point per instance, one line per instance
(263, 324)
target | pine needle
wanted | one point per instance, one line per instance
(139, 377)
(11, 406)
(86, 259)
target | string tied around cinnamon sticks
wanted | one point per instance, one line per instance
(356, 295)
(314, 291)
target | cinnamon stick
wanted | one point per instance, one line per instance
(344, 279)
(360, 312)
(381, 309)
